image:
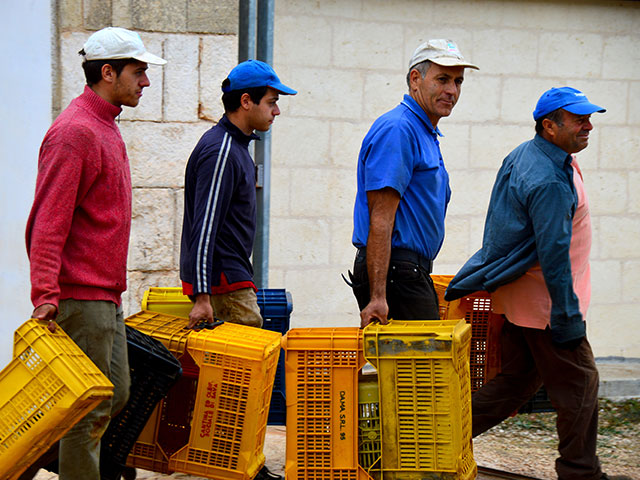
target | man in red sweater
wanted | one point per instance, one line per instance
(78, 230)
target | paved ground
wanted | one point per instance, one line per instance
(618, 379)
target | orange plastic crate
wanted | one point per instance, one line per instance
(322, 366)
(46, 389)
(485, 329)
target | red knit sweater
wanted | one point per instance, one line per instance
(78, 230)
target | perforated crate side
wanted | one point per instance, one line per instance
(146, 452)
(322, 366)
(170, 330)
(237, 369)
(369, 434)
(47, 388)
(423, 373)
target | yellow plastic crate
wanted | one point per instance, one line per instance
(169, 300)
(169, 426)
(440, 284)
(213, 421)
(169, 329)
(46, 389)
(425, 398)
(369, 441)
(237, 370)
(322, 366)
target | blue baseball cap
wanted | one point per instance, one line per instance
(254, 73)
(568, 99)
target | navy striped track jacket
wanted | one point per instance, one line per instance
(219, 224)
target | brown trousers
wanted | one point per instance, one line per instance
(529, 359)
(238, 306)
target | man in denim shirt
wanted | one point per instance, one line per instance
(535, 260)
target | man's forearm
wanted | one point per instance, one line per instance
(378, 256)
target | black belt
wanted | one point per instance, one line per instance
(403, 255)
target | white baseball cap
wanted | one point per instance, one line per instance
(440, 51)
(113, 43)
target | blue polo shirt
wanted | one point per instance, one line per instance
(401, 151)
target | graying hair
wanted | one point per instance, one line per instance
(421, 67)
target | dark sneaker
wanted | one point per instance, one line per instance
(265, 474)
(614, 477)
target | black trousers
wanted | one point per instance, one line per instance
(410, 292)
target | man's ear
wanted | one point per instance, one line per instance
(547, 126)
(245, 101)
(414, 76)
(108, 73)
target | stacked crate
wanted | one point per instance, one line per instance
(412, 419)
(484, 356)
(485, 359)
(275, 307)
(213, 421)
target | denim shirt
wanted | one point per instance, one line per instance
(529, 220)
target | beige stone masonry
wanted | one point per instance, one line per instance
(348, 59)
(197, 38)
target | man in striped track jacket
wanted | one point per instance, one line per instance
(219, 222)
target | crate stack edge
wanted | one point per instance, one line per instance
(322, 366)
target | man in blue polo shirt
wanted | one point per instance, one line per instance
(403, 191)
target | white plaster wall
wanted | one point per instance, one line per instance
(25, 115)
(348, 58)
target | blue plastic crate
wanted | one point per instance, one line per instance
(276, 307)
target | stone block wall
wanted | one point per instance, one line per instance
(348, 60)
(198, 38)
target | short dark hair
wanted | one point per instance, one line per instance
(422, 67)
(556, 117)
(93, 68)
(231, 100)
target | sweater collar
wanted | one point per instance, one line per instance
(98, 105)
(236, 132)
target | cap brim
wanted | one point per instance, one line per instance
(452, 62)
(283, 89)
(583, 108)
(148, 57)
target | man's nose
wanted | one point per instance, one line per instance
(451, 88)
(144, 81)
